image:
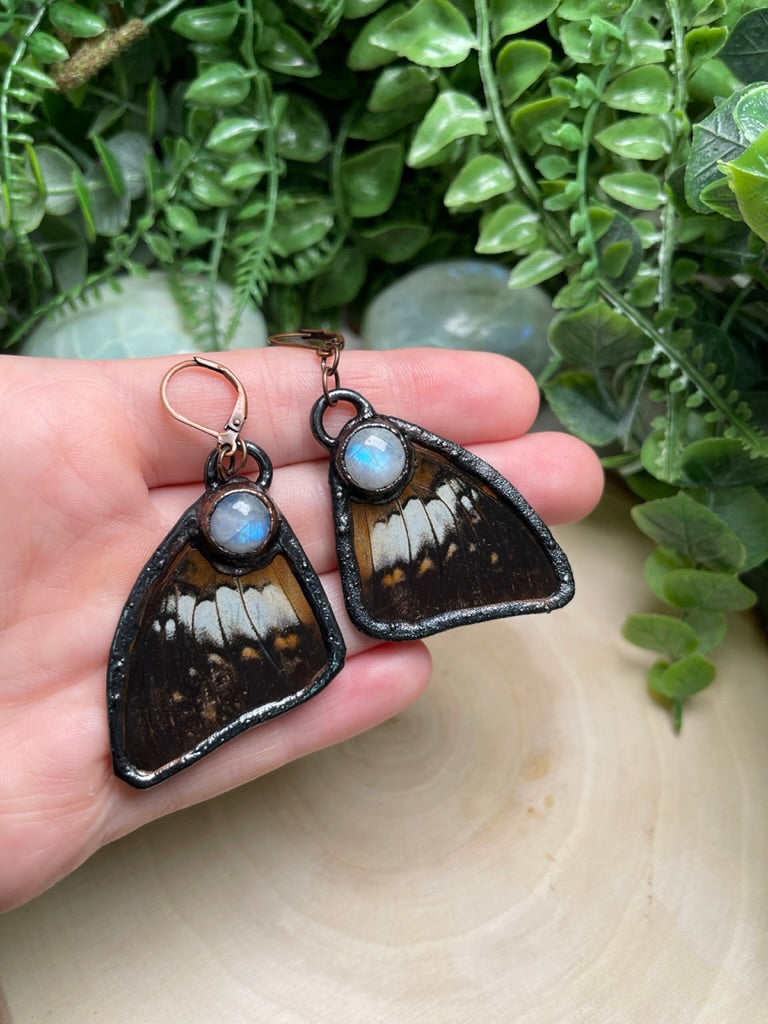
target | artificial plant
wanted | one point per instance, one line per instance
(307, 152)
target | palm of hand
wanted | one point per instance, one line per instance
(90, 492)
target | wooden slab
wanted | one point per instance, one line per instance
(529, 843)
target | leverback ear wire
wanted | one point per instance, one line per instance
(327, 345)
(230, 445)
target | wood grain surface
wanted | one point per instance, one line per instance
(529, 843)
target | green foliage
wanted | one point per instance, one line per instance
(614, 152)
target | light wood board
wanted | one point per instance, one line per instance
(529, 843)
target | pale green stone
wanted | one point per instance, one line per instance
(461, 304)
(141, 320)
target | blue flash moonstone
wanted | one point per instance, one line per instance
(374, 458)
(240, 522)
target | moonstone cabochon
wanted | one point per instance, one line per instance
(206, 648)
(240, 522)
(456, 543)
(374, 458)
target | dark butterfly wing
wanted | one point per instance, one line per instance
(202, 654)
(458, 544)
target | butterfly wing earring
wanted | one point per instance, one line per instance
(227, 624)
(428, 535)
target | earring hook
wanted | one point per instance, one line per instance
(229, 438)
(327, 345)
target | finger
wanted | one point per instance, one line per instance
(557, 474)
(371, 688)
(472, 397)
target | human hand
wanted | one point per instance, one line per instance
(96, 473)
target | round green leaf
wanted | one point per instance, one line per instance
(637, 189)
(638, 138)
(284, 50)
(433, 33)
(370, 180)
(453, 115)
(663, 633)
(710, 627)
(211, 24)
(222, 85)
(75, 20)
(519, 65)
(683, 678)
(481, 178)
(714, 591)
(646, 90)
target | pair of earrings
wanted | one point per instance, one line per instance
(228, 624)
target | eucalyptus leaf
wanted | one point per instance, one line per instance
(663, 633)
(685, 677)
(713, 591)
(745, 511)
(692, 530)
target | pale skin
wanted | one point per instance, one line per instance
(95, 473)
